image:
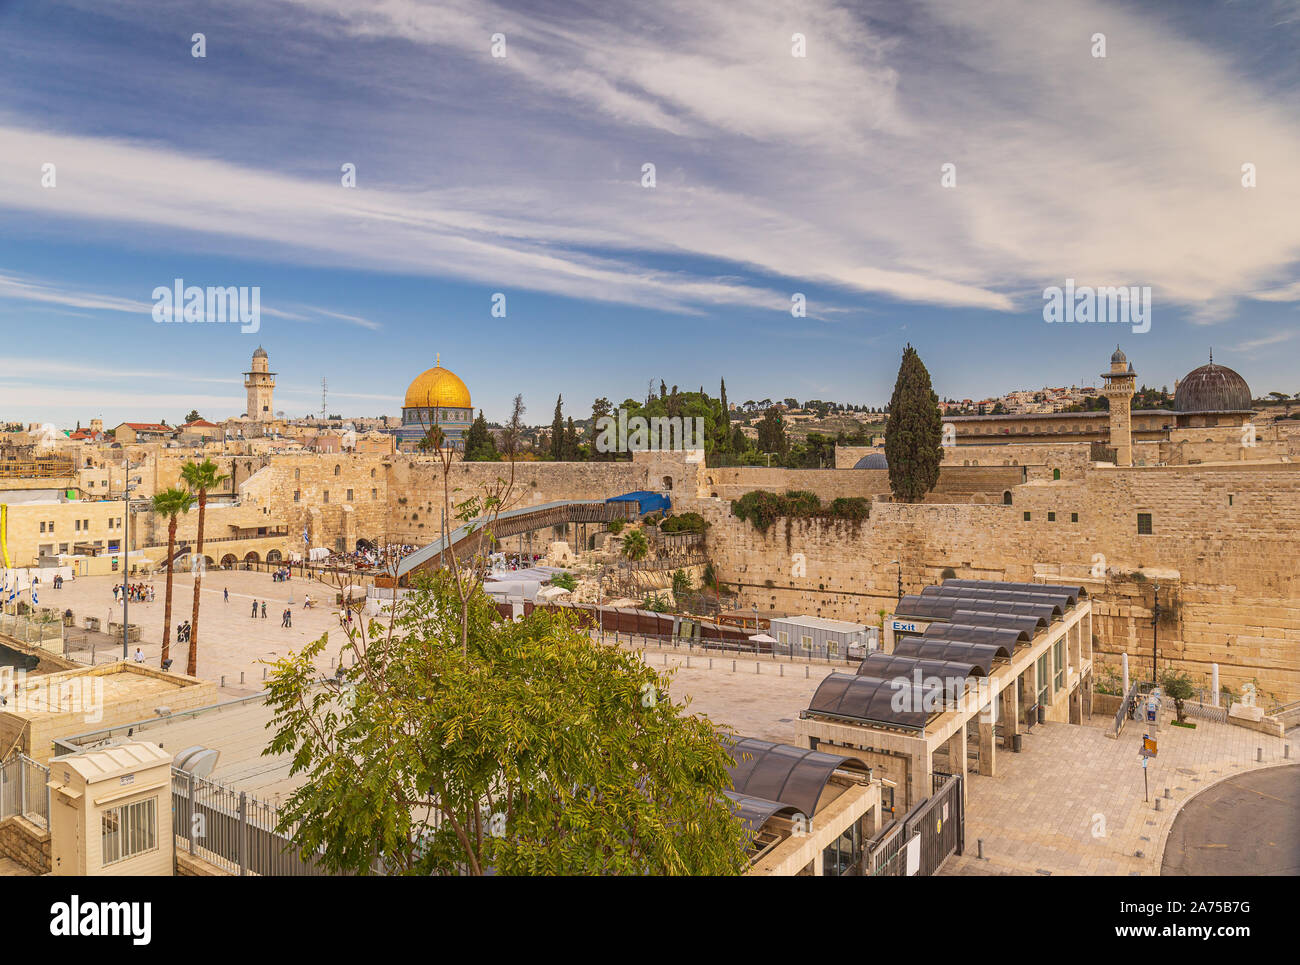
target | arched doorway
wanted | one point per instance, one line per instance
(1006, 498)
(252, 557)
(365, 544)
(274, 556)
(228, 561)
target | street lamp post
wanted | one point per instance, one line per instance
(899, 563)
(126, 559)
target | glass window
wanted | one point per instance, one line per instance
(805, 640)
(1058, 662)
(129, 830)
(1144, 524)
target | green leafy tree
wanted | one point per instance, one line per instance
(600, 409)
(914, 432)
(571, 452)
(479, 444)
(565, 581)
(170, 503)
(532, 751)
(681, 582)
(199, 477)
(193, 416)
(771, 431)
(1178, 685)
(635, 546)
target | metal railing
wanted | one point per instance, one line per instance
(45, 631)
(233, 830)
(1129, 706)
(24, 790)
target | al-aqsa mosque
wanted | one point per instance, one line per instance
(436, 397)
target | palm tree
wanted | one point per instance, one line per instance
(200, 477)
(170, 503)
(635, 545)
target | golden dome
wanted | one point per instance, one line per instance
(437, 387)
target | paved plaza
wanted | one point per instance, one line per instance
(231, 643)
(1072, 802)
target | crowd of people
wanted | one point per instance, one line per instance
(514, 561)
(136, 592)
(282, 575)
(380, 557)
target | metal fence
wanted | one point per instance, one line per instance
(24, 790)
(1130, 706)
(44, 631)
(232, 830)
(936, 824)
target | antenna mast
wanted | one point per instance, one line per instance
(322, 399)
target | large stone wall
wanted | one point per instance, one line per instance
(1230, 571)
(828, 484)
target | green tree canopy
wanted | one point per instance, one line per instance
(771, 431)
(914, 432)
(635, 546)
(480, 446)
(534, 751)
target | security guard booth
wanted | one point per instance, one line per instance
(111, 811)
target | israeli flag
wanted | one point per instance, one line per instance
(34, 600)
(305, 537)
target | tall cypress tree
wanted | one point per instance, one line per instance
(724, 426)
(570, 442)
(914, 432)
(557, 430)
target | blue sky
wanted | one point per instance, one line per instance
(522, 175)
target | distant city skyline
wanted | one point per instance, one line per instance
(129, 162)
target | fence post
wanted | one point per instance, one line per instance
(189, 834)
(243, 832)
(47, 801)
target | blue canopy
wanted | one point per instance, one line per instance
(646, 501)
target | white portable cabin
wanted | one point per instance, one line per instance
(111, 811)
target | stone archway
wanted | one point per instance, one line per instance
(229, 560)
(273, 556)
(252, 557)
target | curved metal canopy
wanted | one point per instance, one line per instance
(968, 633)
(982, 654)
(990, 618)
(780, 773)
(887, 665)
(868, 699)
(1075, 591)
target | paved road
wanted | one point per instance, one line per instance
(1246, 825)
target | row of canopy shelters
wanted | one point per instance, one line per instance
(974, 624)
(771, 779)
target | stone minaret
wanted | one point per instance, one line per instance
(260, 383)
(1119, 388)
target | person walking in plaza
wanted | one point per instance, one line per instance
(254, 613)
(263, 609)
(226, 595)
(286, 619)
